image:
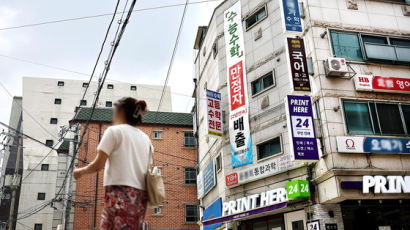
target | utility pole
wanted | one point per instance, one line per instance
(15, 183)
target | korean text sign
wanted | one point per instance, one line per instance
(215, 124)
(291, 16)
(239, 132)
(298, 65)
(382, 84)
(301, 128)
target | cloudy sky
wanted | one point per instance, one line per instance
(143, 56)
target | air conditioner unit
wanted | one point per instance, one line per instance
(336, 67)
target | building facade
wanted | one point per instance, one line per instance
(175, 154)
(355, 55)
(48, 104)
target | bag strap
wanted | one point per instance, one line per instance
(151, 156)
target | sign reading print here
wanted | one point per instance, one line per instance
(291, 16)
(239, 132)
(382, 84)
(214, 111)
(298, 64)
(301, 128)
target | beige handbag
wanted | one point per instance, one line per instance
(154, 183)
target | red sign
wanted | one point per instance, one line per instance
(391, 83)
(236, 86)
(231, 179)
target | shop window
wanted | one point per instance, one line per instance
(157, 211)
(269, 148)
(38, 226)
(262, 83)
(41, 196)
(49, 143)
(157, 134)
(44, 167)
(218, 162)
(256, 17)
(191, 213)
(57, 101)
(85, 85)
(133, 88)
(346, 45)
(190, 175)
(110, 86)
(60, 83)
(108, 104)
(376, 118)
(53, 121)
(189, 139)
(83, 102)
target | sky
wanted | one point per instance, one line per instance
(143, 56)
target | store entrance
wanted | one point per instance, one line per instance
(376, 215)
(275, 222)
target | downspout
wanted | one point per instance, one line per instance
(96, 181)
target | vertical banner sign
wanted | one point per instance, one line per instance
(301, 128)
(298, 64)
(215, 125)
(291, 16)
(239, 133)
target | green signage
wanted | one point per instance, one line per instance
(297, 189)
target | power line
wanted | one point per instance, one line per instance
(100, 15)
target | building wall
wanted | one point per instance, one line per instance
(177, 193)
(38, 104)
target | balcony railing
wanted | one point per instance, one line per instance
(387, 52)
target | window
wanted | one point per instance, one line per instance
(376, 118)
(133, 88)
(215, 49)
(57, 101)
(110, 86)
(269, 148)
(191, 213)
(60, 83)
(218, 163)
(53, 121)
(83, 102)
(49, 143)
(44, 167)
(85, 85)
(157, 211)
(157, 134)
(41, 196)
(189, 139)
(190, 175)
(262, 83)
(256, 17)
(370, 47)
(108, 104)
(38, 226)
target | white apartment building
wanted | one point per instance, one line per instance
(357, 58)
(48, 104)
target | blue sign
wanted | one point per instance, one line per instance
(291, 15)
(302, 128)
(208, 175)
(213, 211)
(212, 94)
(242, 157)
(386, 145)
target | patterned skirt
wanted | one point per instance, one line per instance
(124, 208)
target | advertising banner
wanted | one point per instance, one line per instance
(262, 170)
(303, 143)
(298, 65)
(346, 144)
(381, 84)
(291, 16)
(206, 179)
(239, 132)
(214, 111)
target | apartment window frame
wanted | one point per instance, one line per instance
(45, 167)
(157, 211)
(218, 163)
(195, 217)
(108, 104)
(262, 78)
(157, 134)
(374, 117)
(38, 226)
(60, 83)
(255, 14)
(83, 102)
(110, 86)
(86, 85)
(188, 179)
(258, 145)
(363, 54)
(41, 196)
(133, 88)
(53, 121)
(58, 101)
(215, 49)
(49, 143)
(186, 144)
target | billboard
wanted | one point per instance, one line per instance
(214, 113)
(298, 65)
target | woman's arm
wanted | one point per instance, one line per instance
(96, 165)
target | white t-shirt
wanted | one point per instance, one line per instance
(128, 151)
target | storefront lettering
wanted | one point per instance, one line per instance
(386, 184)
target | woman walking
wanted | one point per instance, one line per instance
(124, 152)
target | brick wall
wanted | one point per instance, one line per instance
(178, 194)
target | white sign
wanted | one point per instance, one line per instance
(350, 144)
(244, 204)
(199, 185)
(313, 225)
(363, 82)
(214, 113)
(239, 132)
(386, 184)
